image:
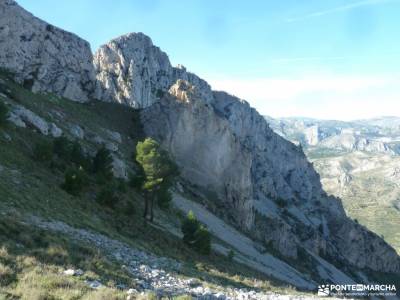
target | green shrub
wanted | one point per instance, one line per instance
(128, 208)
(136, 180)
(108, 196)
(43, 151)
(102, 163)
(62, 147)
(189, 227)
(71, 153)
(3, 113)
(164, 197)
(79, 157)
(75, 181)
(121, 185)
(202, 241)
(281, 202)
(196, 235)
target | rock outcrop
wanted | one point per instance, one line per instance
(23, 117)
(42, 57)
(132, 71)
(204, 147)
(312, 135)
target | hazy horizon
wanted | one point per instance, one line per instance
(337, 59)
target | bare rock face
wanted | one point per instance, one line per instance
(279, 169)
(132, 71)
(263, 183)
(29, 117)
(203, 146)
(312, 135)
(42, 57)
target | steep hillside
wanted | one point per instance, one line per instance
(45, 231)
(369, 186)
(358, 161)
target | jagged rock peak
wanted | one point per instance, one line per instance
(132, 71)
(43, 57)
(184, 91)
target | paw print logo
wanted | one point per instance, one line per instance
(323, 290)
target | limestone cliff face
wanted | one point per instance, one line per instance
(264, 183)
(279, 168)
(205, 148)
(132, 71)
(43, 57)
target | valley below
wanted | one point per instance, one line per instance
(359, 162)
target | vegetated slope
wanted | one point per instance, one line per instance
(232, 161)
(364, 174)
(38, 242)
(370, 188)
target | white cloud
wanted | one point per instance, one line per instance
(337, 9)
(327, 97)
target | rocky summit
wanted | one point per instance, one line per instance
(43, 57)
(132, 71)
(238, 173)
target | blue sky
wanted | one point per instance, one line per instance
(325, 59)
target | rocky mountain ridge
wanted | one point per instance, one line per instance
(132, 71)
(381, 135)
(43, 57)
(262, 183)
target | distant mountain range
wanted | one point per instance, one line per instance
(359, 161)
(379, 135)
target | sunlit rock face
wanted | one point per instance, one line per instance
(204, 146)
(43, 57)
(264, 184)
(132, 71)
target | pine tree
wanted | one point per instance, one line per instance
(157, 169)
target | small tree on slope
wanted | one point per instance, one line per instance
(195, 234)
(157, 168)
